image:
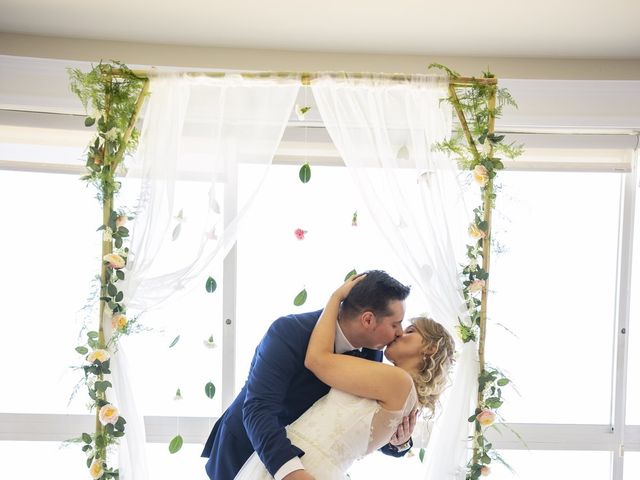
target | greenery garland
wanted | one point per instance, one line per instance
(115, 95)
(479, 150)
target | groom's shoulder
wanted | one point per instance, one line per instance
(295, 322)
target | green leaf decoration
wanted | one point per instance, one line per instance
(211, 285)
(210, 390)
(92, 334)
(82, 350)
(305, 173)
(176, 444)
(300, 298)
(421, 455)
(112, 290)
(120, 274)
(175, 340)
(502, 382)
(86, 438)
(89, 121)
(350, 274)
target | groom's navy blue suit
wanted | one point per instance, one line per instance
(279, 389)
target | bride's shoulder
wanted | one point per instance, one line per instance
(402, 389)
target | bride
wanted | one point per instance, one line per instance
(368, 399)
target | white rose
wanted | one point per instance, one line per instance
(114, 260)
(96, 469)
(481, 175)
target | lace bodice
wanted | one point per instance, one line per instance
(337, 430)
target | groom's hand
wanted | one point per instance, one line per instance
(299, 475)
(405, 430)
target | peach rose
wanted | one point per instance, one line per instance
(476, 286)
(476, 232)
(486, 418)
(484, 471)
(108, 414)
(100, 355)
(96, 469)
(119, 321)
(481, 175)
(114, 260)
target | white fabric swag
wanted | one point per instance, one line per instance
(197, 133)
(385, 132)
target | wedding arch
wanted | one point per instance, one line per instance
(388, 128)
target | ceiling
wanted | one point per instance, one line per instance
(492, 28)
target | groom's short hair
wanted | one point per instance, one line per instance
(373, 293)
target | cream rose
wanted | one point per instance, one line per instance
(100, 355)
(119, 321)
(476, 232)
(476, 286)
(121, 221)
(481, 175)
(114, 260)
(486, 418)
(108, 414)
(96, 469)
(484, 471)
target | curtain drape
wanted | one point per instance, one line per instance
(198, 132)
(385, 132)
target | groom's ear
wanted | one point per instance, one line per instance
(367, 319)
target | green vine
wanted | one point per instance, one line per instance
(478, 149)
(114, 94)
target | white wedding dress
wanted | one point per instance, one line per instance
(337, 430)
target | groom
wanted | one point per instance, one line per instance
(280, 389)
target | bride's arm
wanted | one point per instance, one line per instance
(385, 383)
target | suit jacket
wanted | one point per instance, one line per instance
(278, 390)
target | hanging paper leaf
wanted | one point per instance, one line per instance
(176, 232)
(300, 298)
(421, 455)
(305, 173)
(350, 274)
(175, 444)
(175, 340)
(88, 121)
(211, 285)
(210, 390)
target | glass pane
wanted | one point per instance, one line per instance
(633, 372)
(537, 464)
(631, 465)
(273, 265)
(553, 286)
(36, 460)
(52, 254)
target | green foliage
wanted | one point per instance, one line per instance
(300, 298)
(476, 148)
(211, 285)
(176, 444)
(210, 390)
(305, 173)
(350, 274)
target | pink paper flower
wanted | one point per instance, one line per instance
(299, 233)
(484, 471)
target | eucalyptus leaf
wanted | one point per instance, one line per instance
(305, 173)
(175, 340)
(89, 121)
(421, 455)
(119, 297)
(210, 390)
(112, 290)
(503, 381)
(86, 438)
(350, 274)
(120, 274)
(300, 298)
(211, 285)
(82, 350)
(176, 444)
(92, 334)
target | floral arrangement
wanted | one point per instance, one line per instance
(479, 150)
(115, 95)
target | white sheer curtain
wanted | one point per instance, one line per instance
(197, 131)
(384, 132)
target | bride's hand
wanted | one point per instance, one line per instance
(342, 292)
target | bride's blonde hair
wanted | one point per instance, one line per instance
(432, 376)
